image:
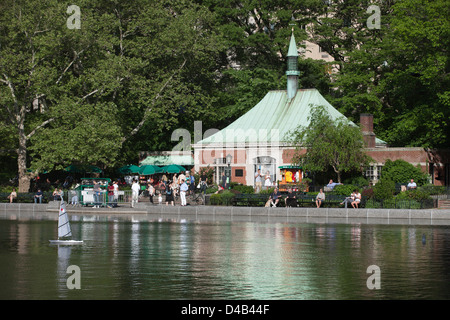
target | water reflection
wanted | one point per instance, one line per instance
(181, 259)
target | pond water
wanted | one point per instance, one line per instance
(168, 260)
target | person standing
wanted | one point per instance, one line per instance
(203, 183)
(192, 185)
(267, 181)
(110, 195)
(116, 193)
(183, 190)
(135, 188)
(151, 191)
(97, 192)
(258, 181)
(169, 194)
(224, 181)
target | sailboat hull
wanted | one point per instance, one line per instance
(66, 242)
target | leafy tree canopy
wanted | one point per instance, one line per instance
(328, 143)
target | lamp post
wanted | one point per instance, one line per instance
(228, 174)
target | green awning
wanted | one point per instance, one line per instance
(182, 160)
(289, 167)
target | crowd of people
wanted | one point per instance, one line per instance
(181, 185)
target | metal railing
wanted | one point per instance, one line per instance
(90, 197)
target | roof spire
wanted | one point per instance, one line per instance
(292, 69)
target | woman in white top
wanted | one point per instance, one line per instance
(267, 182)
(357, 199)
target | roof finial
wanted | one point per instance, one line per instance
(292, 70)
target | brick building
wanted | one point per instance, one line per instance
(256, 140)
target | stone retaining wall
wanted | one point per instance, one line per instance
(149, 212)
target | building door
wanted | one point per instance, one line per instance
(266, 164)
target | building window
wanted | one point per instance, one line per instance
(373, 173)
(379, 172)
(238, 173)
(370, 174)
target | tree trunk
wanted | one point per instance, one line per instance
(24, 178)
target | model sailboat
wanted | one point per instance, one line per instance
(64, 231)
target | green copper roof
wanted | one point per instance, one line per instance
(292, 52)
(272, 118)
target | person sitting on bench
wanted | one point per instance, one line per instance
(275, 197)
(290, 200)
(320, 198)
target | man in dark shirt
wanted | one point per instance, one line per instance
(290, 200)
(224, 180)
(203, 184)
(38, 196)
(275, 197)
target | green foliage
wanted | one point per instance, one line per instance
(329, 143)
(222, 198)
(215, 199)
(417, 194)
(266, 191)
(401, 171)
(398, 72)
(344, 189)
(137, 70)
(434, 190)
(208, 171)
(242, 188)
(359, 181)
(384, 189)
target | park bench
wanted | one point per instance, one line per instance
(254, 200)
(25, 197)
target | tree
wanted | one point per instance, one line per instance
(253, 62)
(401, 171)
(85, 95)
(398, 72)
(328, 143)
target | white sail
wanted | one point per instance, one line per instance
(63, 222)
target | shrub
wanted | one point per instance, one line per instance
(417, 194)
(215, 199)
(384, 189)
(242, 188)
(435, 190)
(368, 193)
(264, 191)
(359, 181)
(227, 197)
(344, 189)
(400, 171)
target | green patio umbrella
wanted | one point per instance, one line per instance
(128, 169)
(173, 168)
(149, 169)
